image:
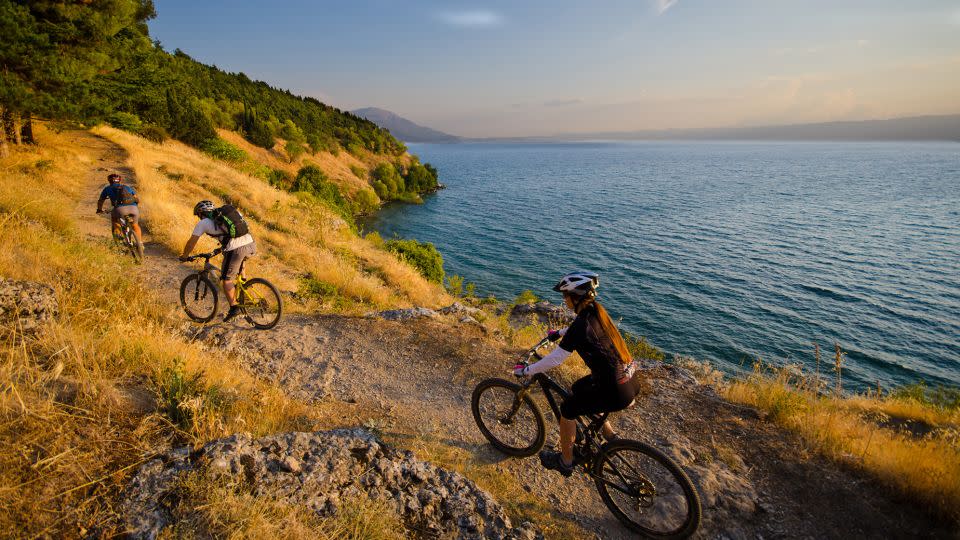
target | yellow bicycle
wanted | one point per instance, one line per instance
(258, 299)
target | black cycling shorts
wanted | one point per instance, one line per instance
(587, 397)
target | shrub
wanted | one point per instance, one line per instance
(420, 179)
(154, 133)
(278, 178)
(423, 256)
(177, 394)
(125, 121)
(365, 201)
(358, 171)
(526, 297)
(294, 150)
(222, 149)
(639, 347)
(455, 285)
(310, 179)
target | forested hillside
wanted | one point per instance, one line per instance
(94, 62)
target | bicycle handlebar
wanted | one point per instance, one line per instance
(206, 256)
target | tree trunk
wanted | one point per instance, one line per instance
(26, 132)
(16, 124)
(4, 147)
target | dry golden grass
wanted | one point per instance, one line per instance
(111, 381)
(923, 467)
(79, 407)
(294, 238)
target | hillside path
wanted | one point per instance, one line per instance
(414, 379)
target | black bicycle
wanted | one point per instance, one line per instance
(258, 299)
(645, 489)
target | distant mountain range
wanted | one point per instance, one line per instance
(403, 129)
(915, 128)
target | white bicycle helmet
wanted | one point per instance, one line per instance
(578, 282)
(203, 207)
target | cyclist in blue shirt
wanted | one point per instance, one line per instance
(125, 203)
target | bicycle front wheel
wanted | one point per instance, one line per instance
(646, 490)
(513, 424)
(199, 298)
(261, 302)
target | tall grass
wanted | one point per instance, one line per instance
(855, 430)
(84, 402)
(295, 237)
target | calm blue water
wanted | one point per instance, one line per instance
(723, 251)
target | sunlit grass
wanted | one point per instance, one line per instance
(856, 430)
(294, 237)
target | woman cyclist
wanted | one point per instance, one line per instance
(609, 387)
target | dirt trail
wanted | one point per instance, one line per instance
(755, 479)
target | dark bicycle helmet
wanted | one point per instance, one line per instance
(578, 282)
(203, 207)
(113, 177)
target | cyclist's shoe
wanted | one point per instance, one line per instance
(554, 460)
(234, 311)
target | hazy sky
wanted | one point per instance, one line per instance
(540, 67)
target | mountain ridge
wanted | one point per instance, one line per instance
(402, 128)
(944, 127)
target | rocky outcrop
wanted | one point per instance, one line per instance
(25, 305)
(318, 471)
(542, 312)
(405, 314)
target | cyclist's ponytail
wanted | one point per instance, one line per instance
(613, 334)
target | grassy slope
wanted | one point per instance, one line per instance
(113, 380)
(337, 167)
(294, 237)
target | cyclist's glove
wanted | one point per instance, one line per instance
(520, 370)
(554, 335)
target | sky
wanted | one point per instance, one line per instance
(547, 67)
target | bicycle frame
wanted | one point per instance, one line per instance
(551, 390)
(590, 446)
(212, 269)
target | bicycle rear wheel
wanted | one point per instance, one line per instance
(199, 298)
(261, 302)
(511, 424)
(135, 247)
(646, 490)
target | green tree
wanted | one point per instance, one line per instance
(187, 121)
(294, 150)
(422, 255)
(50, 50)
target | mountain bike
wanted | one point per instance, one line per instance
(126, 239)
(645, 489)
(258, 299)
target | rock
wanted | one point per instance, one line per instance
(457, 308)
(317, 471)
(25, 306)
(542, 312)
(405, 314)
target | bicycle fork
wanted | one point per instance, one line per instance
(515, 407)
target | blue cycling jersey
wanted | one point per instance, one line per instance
(117, 193)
